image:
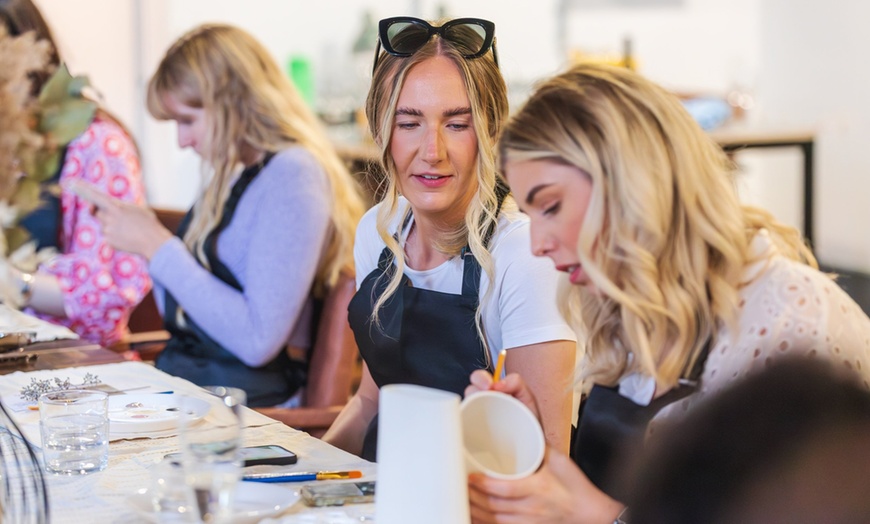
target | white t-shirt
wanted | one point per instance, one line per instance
(522, 308)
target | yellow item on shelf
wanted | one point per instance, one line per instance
(580, 57)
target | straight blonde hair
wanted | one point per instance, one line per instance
(250, 104)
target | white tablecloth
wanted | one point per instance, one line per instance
(102, 497)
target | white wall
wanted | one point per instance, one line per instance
(692, 48)
(96, 38)
(815, 73)
(801, 61)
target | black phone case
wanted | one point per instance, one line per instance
(273, 461)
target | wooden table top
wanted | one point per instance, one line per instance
(56, 355)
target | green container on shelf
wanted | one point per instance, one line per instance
(300, 71)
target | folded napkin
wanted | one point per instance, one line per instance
(12, 320)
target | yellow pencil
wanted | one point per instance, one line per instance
(499, 366)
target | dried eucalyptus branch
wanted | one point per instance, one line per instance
(33, 129)
(37, 387)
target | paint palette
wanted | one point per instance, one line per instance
(151, 412)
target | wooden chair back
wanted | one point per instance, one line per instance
(331, 370)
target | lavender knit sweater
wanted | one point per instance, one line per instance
(273, 246)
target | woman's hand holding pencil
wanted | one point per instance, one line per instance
(512, 384)
(499, 366)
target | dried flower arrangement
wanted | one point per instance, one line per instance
(19, 58)
(33, 133)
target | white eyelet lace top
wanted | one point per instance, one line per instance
(787, 309)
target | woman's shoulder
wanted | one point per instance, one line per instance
(295, 155)
(512, 235)
(783, 285)
(293, 168)
(789, 285)
(791, 307)
(369, 220)
(294, 159)
(106, 135)
(512, 255)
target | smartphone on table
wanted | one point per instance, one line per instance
(273, 455)
(338, 494)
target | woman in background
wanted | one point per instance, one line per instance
(272, 229)
(88, 287)
(678, 288)
(444, 274)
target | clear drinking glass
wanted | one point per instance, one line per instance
(171, 498)
(74, 425)
(211, 453)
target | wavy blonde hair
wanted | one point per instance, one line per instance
(487, 95)
(250, 104)
(665, 241)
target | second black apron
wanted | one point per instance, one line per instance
(44, 223)
(427, 338)
(611, 426)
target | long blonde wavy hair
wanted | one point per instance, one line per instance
(665, 241)
(249, 105)
(487, 95)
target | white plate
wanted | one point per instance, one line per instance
(254, 501)
(150, 412)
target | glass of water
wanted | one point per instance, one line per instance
(211, 453)
(74, 425)
(171, 498)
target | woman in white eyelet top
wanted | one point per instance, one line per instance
(677, 288)
(786, 309)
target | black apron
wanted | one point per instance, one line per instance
(611, 428)
(192, 354)
(427, 338)
(45, 222)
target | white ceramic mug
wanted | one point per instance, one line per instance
(502, 437)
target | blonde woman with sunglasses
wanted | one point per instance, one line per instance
(444, 273)
(270, 232)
